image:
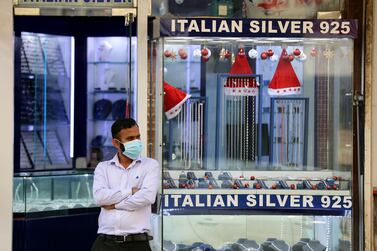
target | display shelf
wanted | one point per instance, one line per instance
(111, 85)
(108, 92)
(52, 191)
(181, 62)
(32, 127)
(101, 120)
(257, 191)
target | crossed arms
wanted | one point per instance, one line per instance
(126, 199)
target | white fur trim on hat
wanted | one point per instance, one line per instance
(284, 91)
(240, 91)
(173, 112)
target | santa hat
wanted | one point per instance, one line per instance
(284, 81)
(173, 100)
(241, 86)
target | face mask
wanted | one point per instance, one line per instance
(132, 149)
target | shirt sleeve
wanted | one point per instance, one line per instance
(147, 194)
(102, 194)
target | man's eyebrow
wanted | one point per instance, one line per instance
(129, 137)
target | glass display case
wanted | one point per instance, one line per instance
(46, 191)
(111, 91)
(43, 92)
(254, 133)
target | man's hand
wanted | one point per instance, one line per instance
(109, 207)
(134, 190)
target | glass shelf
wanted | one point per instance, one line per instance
(32, 127)
(109, 92)
(181, 61)
(103, 120)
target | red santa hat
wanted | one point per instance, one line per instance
(173, 100)
(241, 86)
(284, 81)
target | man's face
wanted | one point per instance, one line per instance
(126, 135)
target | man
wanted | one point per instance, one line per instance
(125, 187)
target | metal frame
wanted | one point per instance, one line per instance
(272, 123)
(219, 118)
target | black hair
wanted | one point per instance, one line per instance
(120, 124)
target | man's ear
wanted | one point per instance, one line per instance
(115, 143)
(118, 145)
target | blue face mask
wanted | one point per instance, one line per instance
(132, 149)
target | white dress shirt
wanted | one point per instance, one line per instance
(113, 185)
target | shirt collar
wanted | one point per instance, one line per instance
(115, 161)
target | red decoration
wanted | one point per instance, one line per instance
(247, 185)
(314, 52)
(204, 59)
(297, 52)
(273, 186)
(264, 55)
(293, 186)
(328, 187)
(291, 57)
(335, 187)
(204, 52)
(241, 52)
(235, 186)
(258, 186)
(173, 100)
(270, 52)
(228, 54)
(252, 177)
(314, 187)
(182, 53)
(167, 53)
(284, 81)
(285, 57)
(241, 177)
(335, 178)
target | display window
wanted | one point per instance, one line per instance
(44, 98)
(66, 79)
(111, 91)
(256, 133)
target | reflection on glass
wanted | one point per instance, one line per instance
(45, 101)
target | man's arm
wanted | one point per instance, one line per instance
(102, 194)
(147, 193)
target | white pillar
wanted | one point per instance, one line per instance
(142, 74)
(7, 121)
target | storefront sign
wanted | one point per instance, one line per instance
(75, 3)
(216, 27)
(257, 201)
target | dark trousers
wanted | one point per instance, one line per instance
(104, 244)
